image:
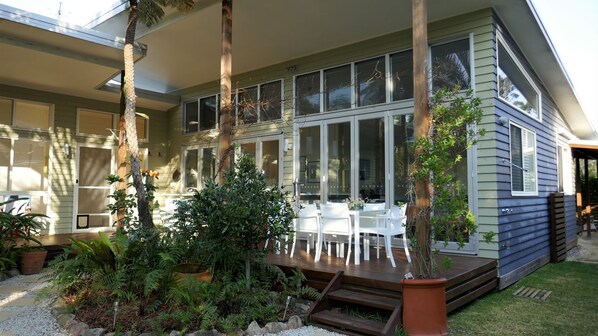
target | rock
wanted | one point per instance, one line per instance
(254, 329)
(57, 311)
(175, 333)
(78, 329)
(64, 318)
(13, 272)
(302, 307)
(109, 334)
(294, 322)
(95, 332)
(274, 327)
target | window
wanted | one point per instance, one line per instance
(271, 101)
(401, 65)
(201, 115)
(514, 86)
(25, 114)
(523, 161)
(307, 94)
(564, 169)
(337, 88)
(96, 123)
(451, 65)
(370, 76)
(200, 165)
(247, 102)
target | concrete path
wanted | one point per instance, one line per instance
(588, 249)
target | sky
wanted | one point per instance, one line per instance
(572, 26)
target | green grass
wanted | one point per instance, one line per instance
(571, 309)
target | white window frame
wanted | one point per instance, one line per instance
(13, 114)
(524, 192)
(469, 38)
(199, 148)
(198, 100)
(566, 170)
(500, 41)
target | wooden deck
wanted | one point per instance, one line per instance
(467, 279)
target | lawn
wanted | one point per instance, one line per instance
(570, 309)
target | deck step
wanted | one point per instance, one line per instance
(364, 299)
(346, 322)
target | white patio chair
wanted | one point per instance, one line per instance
(308, 221)
(389, 224)
(335, 220)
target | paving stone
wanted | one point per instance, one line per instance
(12, 288)
(5, 315)
(25, 301)
(6, 333)
(33, 279)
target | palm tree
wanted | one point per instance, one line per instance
(148, 12)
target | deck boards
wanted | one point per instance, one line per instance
(467, 278)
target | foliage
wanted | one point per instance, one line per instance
(453, 120)
(573, 287)
(16, 228)
(232, 220)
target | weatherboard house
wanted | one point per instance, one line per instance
(322, 95)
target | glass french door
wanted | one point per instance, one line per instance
(91, 189)
(199, 166)
(368, 156)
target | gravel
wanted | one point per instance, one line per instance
(306, 331)
(34, 319)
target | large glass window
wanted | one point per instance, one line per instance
(337, 88)
(271, 101)
(200, 165)
(372, 162)
(451, 65)
(201, 115)
(307, 94)
(191, 171)
(514, 85)
(25, 114)
(247, 105)
(208, 109)
(339, 162)
(309, 164)
(404, 156)
(523, 161)
(371, 81)
(401, 65)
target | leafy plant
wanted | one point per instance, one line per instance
(15, 229)
(232, 220)
(454, 117)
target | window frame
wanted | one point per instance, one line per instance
(13, 115)
(536, 176)
(198, 101)
(469, 38)
(501, 41)
(563, 148)
(258, 107)
(200, 151)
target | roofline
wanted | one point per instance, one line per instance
(63, 28)
(554, 52)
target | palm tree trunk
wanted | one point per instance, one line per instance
(423, 231)
(122, 150)
(224, 148)
(131, 130)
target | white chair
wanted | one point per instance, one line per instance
(389, 224)
(335, 220)
(308, 221)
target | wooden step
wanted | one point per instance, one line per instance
(368, 300)
(346, 322)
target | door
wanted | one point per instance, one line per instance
(91, 189)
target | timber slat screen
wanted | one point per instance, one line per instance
(558, 242)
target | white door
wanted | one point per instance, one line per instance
(91, 188)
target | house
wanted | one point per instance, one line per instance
(323, 96)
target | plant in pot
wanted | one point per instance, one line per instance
(17, 231)
(441, 199)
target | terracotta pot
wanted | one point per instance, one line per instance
(197, 271)
(32, 262)
(424, 307)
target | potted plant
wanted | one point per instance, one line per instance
(443, 215)
(16, 231)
